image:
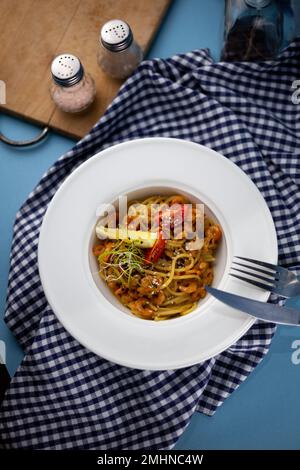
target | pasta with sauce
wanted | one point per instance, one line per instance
(158, 278)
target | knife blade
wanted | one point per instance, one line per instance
(261, 310)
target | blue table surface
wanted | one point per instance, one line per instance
(264, 413)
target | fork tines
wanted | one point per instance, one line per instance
(266, 277)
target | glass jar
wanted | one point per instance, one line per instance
(118, 53)
(253, 30)
(72, 90)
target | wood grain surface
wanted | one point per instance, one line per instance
(33, 32)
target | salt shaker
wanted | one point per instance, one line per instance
(118, 53)
(72, 90)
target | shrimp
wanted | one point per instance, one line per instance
(98, 249)
(142, 308)
(127, 298)
(135, 281)
(199, 294)
(191, 286)
(125, 295)
(108, 247)
(159, 299)
(150, 285)
(208, 278)
(203, 265)
(177, 200)
(213, 233)
(120, 290)
(112, 285)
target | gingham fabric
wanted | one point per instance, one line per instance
(65, 397)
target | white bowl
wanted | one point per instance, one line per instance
(85, 306)
(221, 266)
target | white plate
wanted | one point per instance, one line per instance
(85, 306)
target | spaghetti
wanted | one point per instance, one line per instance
(168, 279)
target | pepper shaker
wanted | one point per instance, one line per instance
(72, 90)
(118, 53)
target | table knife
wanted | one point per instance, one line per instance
(262, 310)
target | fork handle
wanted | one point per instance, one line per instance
(292, 289)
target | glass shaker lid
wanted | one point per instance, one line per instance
(258, 3)
(66, 70)
(116, 35)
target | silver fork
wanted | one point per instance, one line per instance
(271, 277)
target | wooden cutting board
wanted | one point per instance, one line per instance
(32, 32)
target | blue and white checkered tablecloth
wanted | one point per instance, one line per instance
(65, 397)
